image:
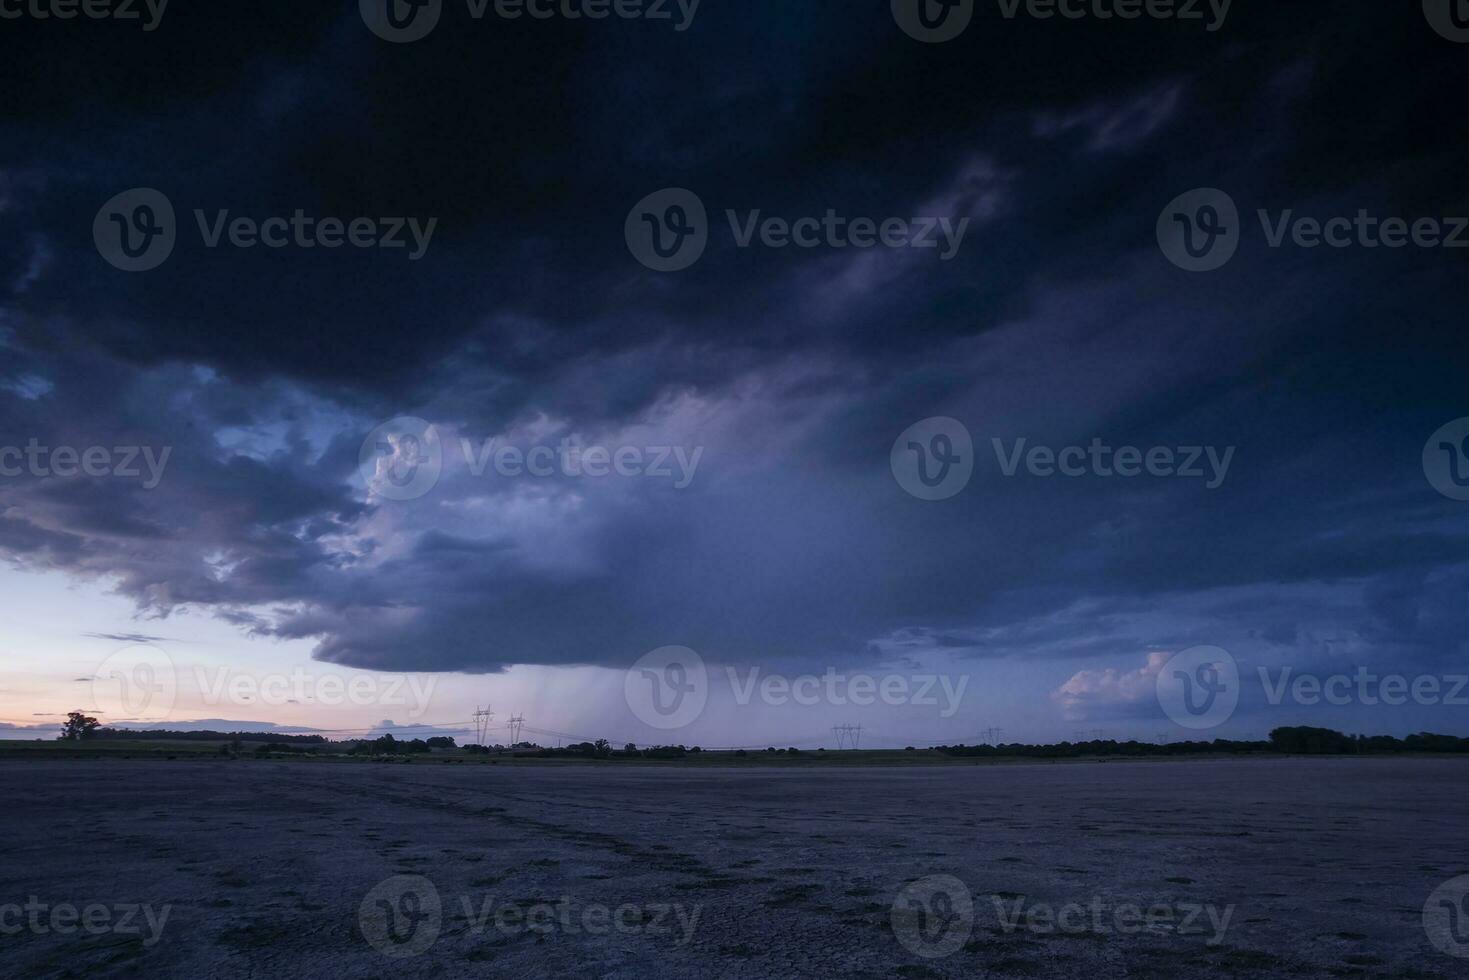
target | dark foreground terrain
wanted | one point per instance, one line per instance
(1209, 869)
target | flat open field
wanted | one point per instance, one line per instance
(1208, 869)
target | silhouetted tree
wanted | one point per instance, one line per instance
(78, 726)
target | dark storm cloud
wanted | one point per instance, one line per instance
(129, 638)
(527, 321)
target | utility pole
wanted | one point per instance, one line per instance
(515, 722)
(482, 718)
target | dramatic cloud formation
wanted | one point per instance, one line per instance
(769, 383)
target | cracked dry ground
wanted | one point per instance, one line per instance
(791, 872)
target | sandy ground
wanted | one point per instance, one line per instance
(1273, 868)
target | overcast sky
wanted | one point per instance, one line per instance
(763, 511)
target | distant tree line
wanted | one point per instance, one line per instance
(1324, 741)
(602, 749)
(388, 745)
(1300, 740)
(1296, 740)
(162, 733)
(79, 726)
